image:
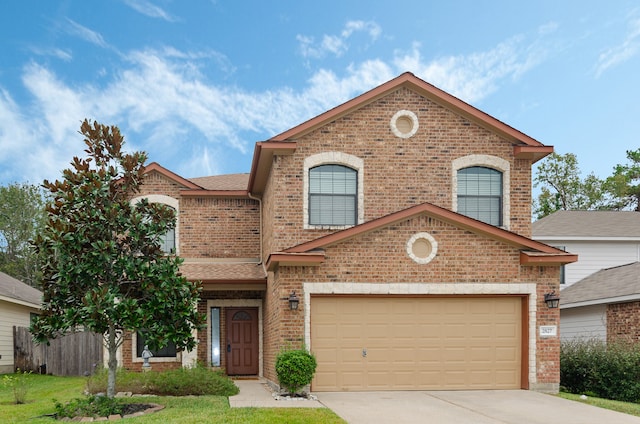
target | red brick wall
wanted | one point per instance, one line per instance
(398, 173)
(623, 322)
(214, 227)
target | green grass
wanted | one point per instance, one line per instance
(614, 405)
(190, 409)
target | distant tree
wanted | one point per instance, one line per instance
(623, 186)
(562, 187)
(104, 269)
(22, 215)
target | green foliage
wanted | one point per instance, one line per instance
(104, 268)
(196, 381)
(295, 369)
(19, 384)
(90, 406)
(609, 371)
(562, 187)
(624, 185)
(22, 215)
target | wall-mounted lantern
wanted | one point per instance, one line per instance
(293, 301)
(552, 299)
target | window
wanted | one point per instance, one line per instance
(168, 240)
(215, 337)
(333, 195)
(480, 194)
(169, 351)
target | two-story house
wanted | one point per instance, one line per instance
(389, 235)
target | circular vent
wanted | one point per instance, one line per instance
(422, 248)
(404, 124)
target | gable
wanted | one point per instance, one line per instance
(520, 145)
(486, 239)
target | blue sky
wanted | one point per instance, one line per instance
(196, 83)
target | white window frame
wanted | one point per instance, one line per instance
(486, 161)
(333, 158)
(169, 201)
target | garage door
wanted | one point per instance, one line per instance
(436, 343)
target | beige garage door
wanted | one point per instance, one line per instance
(395, 343)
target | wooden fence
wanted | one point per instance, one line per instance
(74, 354)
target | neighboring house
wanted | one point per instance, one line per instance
(605, 305)
(399, 225)
(601, 239)
(18, 302)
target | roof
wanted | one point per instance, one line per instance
(223, 270)
(525, 147)
(610, 285)
(223, 182)
(588, 225)
(532, 252)
(15, 291)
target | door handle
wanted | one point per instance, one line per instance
(228, 347)
(364, 352)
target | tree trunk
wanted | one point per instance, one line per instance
(112, 362)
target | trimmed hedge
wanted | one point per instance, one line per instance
(295, 369)
(594, 368)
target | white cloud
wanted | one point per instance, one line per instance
(619, 54)
(166, 104)
(85, 33)
(149, 9)
(336, 44)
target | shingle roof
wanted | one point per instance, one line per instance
(223, 182)
(604, 286)
(223, 271)
(588, 224)
(15, 289)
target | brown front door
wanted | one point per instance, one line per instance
(242, 341)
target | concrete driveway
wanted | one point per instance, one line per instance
(462, 407)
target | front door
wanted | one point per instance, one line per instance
(242, 341)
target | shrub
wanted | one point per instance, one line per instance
(609, 371)
(198, 380)
(90, 406)
(295, 369)
(19, 383)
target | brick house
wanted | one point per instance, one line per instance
(401, 221)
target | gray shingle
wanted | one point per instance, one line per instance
(605, 284)
(16, 289)
(588, 224)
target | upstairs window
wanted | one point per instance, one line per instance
(168, 240)
(333, 195)
(480, 194)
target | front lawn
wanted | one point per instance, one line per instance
(43, 389)
(614, 405)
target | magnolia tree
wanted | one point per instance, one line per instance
(104, 269)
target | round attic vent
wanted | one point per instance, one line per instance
(404, 124)
(422, 248)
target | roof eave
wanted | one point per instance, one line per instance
(154, 166)
(214, 193)
(537, 259)
(532, 153)
(294, 259)
(263, 154)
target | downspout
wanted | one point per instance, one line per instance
(251, 196)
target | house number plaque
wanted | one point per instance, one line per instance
(548, 330)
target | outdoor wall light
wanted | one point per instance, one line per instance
(293, 301)
(552, 299)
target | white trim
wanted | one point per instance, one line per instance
(528, 289)
(236, 303)
(488, 161)
(21, 302)
(169, 201)
(394, 123)
(336, 158)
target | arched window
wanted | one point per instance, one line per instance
(168, 240)
(480, 194)
(333, 195)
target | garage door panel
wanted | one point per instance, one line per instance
(416, 343)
